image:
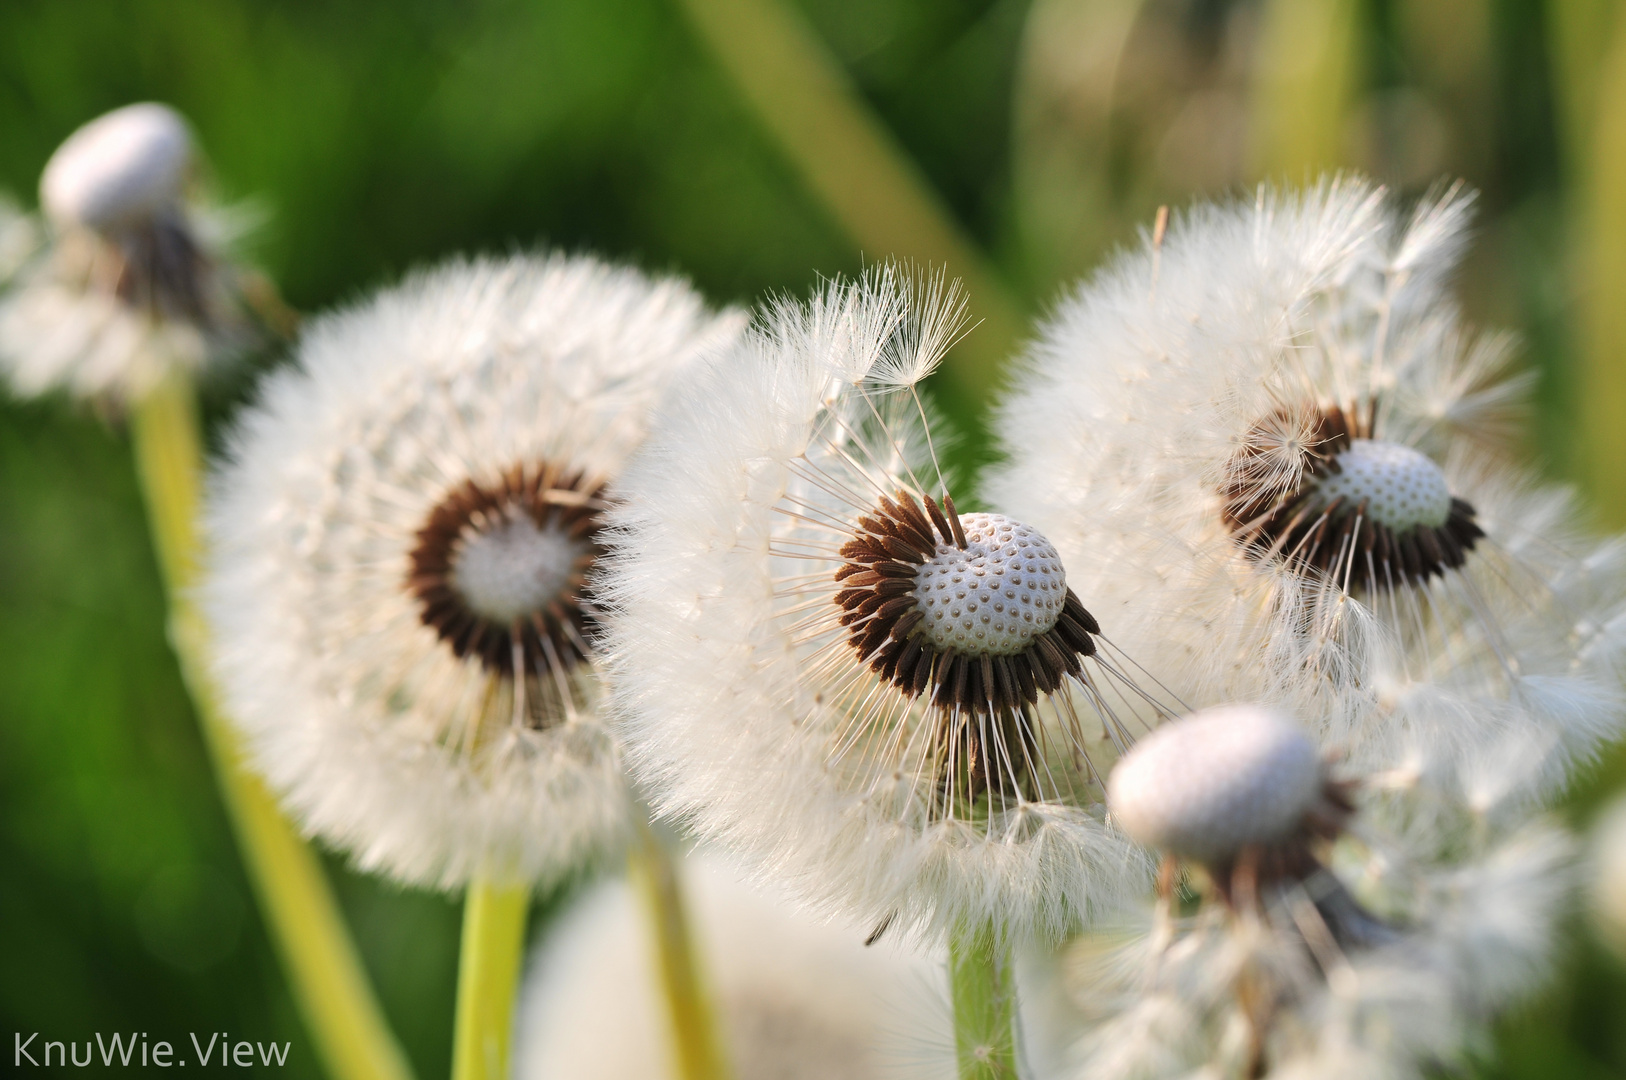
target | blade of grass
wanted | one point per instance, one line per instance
(1601, 233)
(1303, 84)
(325, 975)
(809, 106)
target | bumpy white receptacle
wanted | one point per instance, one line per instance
(1401, 487)
(513, 568)
(1207, 785)
(996, 596)
(119, 170)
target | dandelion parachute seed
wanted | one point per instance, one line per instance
(820, 661)
(402, 541)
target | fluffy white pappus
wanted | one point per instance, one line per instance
(1241, 442)
(137, 277)
(796, 997)
(445, 441)
(1275, 996)
(782, 682)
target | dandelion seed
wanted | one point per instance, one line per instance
(902, 708)
(1283, 475)
(401, 543)
(136, 277)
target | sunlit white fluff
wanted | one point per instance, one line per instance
(748, 708)
(1130, 411)
(136, 277)
(796, 996)
(1474, 916)
(429, 763)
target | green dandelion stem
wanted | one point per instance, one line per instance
(487, 974)
(982, 985)
(697, 1051)
(325, 974)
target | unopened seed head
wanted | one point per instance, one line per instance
(1205, 786)
(997, 595)
(118, 170)
(1401, 487)
(513, 568)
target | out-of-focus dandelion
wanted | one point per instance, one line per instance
(136, 279)
(1322, 945)
(902, 709)
(402, 536)
(1271, 451)
(119, 301)
(401, 541)
(798, 997)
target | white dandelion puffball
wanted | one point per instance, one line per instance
(1278, 463)
(795, 997)
(1281, 989)
(136, 279)
(1211, 783)
(401, 537)
(902, 709)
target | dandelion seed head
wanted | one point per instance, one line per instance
(1214, 782)
(796, 997)
(401, 539)
(137, 278)
(119, 171)
(1281, 468)
(798, 675)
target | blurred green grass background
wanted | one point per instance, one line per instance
(379, 135)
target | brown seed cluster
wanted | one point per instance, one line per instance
(553, 638)
(1335, 538)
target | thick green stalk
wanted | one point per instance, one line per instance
(325, 975)
(696, 1049)
(982, 984)
(808, 105)
(487, 973)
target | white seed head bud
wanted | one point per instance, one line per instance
(118, 170)
(995, 596)
(1209, 784)
(1401, 487)
(513, 568)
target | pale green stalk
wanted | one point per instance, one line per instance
(697, 1052)
(325, 976)
(487, 974)
(982, 985)
(1600, 230)
(809, 106)
(1304, 80)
